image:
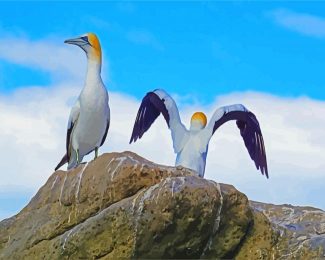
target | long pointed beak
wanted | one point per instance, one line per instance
(76, 41)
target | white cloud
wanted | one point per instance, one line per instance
(302, 23)
(33, 134)
(33, 128)
(50, 55)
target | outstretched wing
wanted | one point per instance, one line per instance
(153, 104)
(249, 130)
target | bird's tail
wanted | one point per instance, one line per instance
(73, 162)
(63, 161)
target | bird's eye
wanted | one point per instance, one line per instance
(85, 38)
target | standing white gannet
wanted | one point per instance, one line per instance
(90, 117)
(191, 146)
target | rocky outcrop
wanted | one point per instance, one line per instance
(123, 206)
(300, 231)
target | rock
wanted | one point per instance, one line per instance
(299, 230)
(123, 206)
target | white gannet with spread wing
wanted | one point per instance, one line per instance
(191, 146)
(90, 117)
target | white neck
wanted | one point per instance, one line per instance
(93, 70)
(196, 126)
(94, 65)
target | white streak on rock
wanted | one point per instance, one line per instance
(69, 217)
(162, 185)
(121, 160)
(217, 223)
(182, 179)
(146, 195)
(132, 159)
(217, 220)
(70, 234)
(66, 238)
(177, 183)
(80, 174)
(109, 163)
(62, 187)
(173, 184)
(53, 183)
(286, 256)
(104, 181)
(135, 201)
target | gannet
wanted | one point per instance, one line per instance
(90, 116)
(191, 146)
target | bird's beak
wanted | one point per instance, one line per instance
(76, 41)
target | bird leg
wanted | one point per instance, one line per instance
(96, 153)
(78, 160)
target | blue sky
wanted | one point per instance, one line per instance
(198, 48)
(205, 53)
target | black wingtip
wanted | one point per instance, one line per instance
(62, 162)
(150, 108)
(264, 171)
(131, 140)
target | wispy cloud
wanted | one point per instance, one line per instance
(49, 55)
(303, 23)
(145, 38)
(139, 36)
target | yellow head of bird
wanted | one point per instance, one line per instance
(95, 51)
(90, 44)
(198, 120)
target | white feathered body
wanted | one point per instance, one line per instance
(193, 151)
(90, 116)
(93, 116)
(191, 146)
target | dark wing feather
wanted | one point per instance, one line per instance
(68, 140)
(150, 108)
(66, 157)
(106, 130)
(73, 118)
(251, 132)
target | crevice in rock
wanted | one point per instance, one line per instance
(248, 232)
